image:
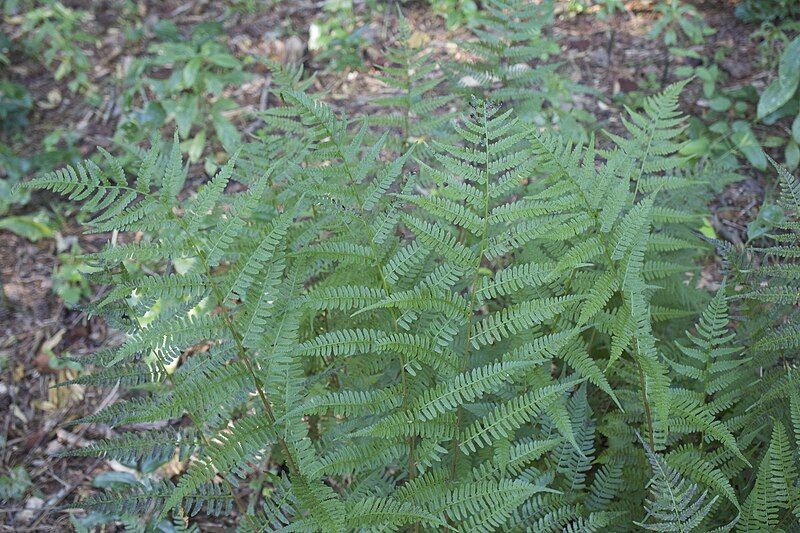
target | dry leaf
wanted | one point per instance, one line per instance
(43, 357)
(418, 39)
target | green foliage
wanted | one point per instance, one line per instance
(678, 22)
(767, 10)
(200, 70)
(737, 118)
(14, 485)
(512, 60)
(392, 323)
(478, 352)
(674, 504)
(682, 30)
(767, 295)
(337, 36)
(68, 280)
(32, 227)
(57, 32)
(15, 104)
(414, 108)
(54, 33)
(607, 8)
(782, 97)
(775, 491)
(15, 164)
(455, 12)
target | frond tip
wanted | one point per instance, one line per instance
(673, 504)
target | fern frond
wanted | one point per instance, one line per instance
(692, 465)
(573, 462)
(349, 458)
(352, 402)
(169, 337)
(651, 142)
(344, 297)
(232, 452)
(339, 343)
(316, 114)
(492, 501)
(384, 512)
(509, 416)
(253, 266)
(691, 412)
(605, 487)
(465, 388)
(423, 299)
(774, 490)
(515, 278)
(673, 504)
(326, 511)
(142, 500)
(435, 237)
(510, 320)
(156, 447)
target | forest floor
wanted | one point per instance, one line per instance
(37, 328)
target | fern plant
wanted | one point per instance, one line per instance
(768, 403)
(510, 60)
(414, 109)
(493, 344)
(675, 505)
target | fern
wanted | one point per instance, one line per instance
(140, 500)
(674, 504)
(413, 108)
(653, 135)
(774, 492)
(148, 447)
(510, 61)
(476, 348)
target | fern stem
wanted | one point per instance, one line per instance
(645, 157)
(647, 411)
(473, 294)
(407, 110)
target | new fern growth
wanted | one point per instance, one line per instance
(492, 346)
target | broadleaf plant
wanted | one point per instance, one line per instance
(193, 96)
